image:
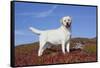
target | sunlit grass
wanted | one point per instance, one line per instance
(90, 48)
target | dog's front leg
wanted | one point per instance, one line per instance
(63, 47)
(68, 47)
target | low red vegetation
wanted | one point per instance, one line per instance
(27, 55)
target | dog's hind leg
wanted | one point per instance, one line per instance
(41, 48)
(63, 47)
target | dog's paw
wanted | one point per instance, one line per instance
(68, 51)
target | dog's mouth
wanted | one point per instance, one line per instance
(68, 25)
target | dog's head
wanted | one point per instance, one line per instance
(66, 21)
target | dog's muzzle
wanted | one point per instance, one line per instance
(68, 25)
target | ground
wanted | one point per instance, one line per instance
(26, 54)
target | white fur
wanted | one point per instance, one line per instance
(56, 36)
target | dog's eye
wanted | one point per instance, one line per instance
(64, 20)
(68, 19)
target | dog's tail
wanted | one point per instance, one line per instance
(36, 31)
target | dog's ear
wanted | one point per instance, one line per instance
(70, 17)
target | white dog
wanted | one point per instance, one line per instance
(57, 36)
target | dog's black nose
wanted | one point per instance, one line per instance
(68, 24)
